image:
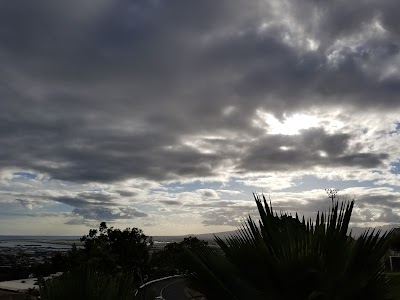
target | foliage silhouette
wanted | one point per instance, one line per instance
(285, 258)
(166, 261)
(111, 250)
(395, 244)
(87, 284)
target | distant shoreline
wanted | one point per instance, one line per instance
(31, 241)
(38, 237)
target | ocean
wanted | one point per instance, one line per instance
(37, 241)
(38, 237)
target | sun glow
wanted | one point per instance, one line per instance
(290, 125)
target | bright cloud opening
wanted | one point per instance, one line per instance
(291, 125)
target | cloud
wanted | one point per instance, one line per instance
(247, 66)
(220, 218)
(164, 92)
(228, 216)
(273, 182)
(128, 212)
(25, 203)
(80, 202)
(170, 202)
(314, 147)
(127, 193)
(38, 214)
(77, 221)
(208, 194)
(108, 214)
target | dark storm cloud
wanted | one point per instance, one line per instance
(109, 156)
(332, 20)
(313, 147)
(111, 91)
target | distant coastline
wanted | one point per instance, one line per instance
(40, 241)
(39, 237)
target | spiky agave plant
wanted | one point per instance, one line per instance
(282, 257)
(87, 284)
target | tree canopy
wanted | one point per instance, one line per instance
(168, 260)
(113, 250)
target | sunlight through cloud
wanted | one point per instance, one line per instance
(291, 125)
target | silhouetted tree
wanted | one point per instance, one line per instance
(168, 260)
(112, 249)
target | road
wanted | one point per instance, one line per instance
(174, 290)
(169, 289)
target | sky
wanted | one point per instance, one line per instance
(168, 115)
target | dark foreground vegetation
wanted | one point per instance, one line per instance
(88, 284)
(282, 257)
(278, 257)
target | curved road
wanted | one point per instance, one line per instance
(169, 289)
(174, 290)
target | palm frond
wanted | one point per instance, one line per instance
(285, 258)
